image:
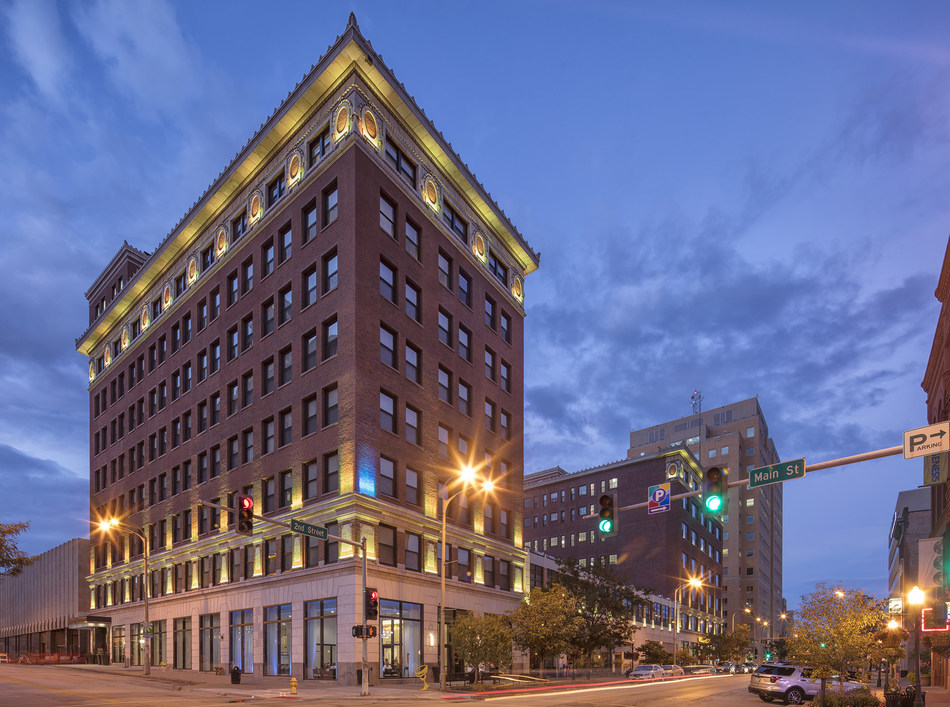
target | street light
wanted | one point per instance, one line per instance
(693, 582)
(466, 477)
(746, 610)
(106, 526)
(915, 597)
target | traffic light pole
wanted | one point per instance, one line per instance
(364, 685)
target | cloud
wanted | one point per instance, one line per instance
(35, 36)
(53, 500)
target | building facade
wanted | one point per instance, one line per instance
(44, 610)
(736, 437)
(336, 329)
(911, 522)
(658, 552)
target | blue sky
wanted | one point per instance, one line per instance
(743, 198)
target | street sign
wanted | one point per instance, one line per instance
(776, 473)
(314, 531)
(927, 440)
(935, 469)
(659, 499)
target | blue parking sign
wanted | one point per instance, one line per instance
(659, 500)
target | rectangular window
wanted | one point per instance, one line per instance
(310, 490)
(413, 425)
(465, 343)
(387, 346)
(387, 545)
(330, 271)
(505, 424)
(267, 436)
(445, 270)
(267, 377)
(267, 317)
(309, 286)
(444, 435)
(413, 297)
(445, 385)
(330, 201)
(412, 240)
(247, 333)
(309, 219)
(456, 223)
(465, 398)
(286, 427)
(247, 446)
(319, 147)
(412, 487)
(387, 216)
(331, 472)
(330, 406)
(267, 258)
(489, 364)
(465, 288)
(214, 356)
(413, 556)
(506, 327)
(387, 281)
(387, 476)
(505, 376)
(286, 491)
(247, 389)
(247, 276)
(387, 412)
(402, 164)
(285, 371)
(330, 337)
(310, 415)
(490, 312)
(286, 299)
(276, 189)
(489, 415)
(497, 267)
(286, 239)
(413, 363)
(445, 327)
(309, 345)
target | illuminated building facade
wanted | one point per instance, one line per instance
(335, 328)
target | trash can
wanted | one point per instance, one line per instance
(892, 699)
(235, 675)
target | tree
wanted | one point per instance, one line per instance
(835, 629)
(653, 652)
(546, 622)
(12, 559)
(482, 639)
(728, 646)
(605, 604)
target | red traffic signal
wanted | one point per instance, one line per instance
(371, 605)
(245, 521)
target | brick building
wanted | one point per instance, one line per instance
(658, 552)
(736, 437)
(335, 328)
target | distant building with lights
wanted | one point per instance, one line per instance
(736, 437)
(658, 551)
(335, 328)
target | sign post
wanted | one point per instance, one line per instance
(776, 473)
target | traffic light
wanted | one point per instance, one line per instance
(245, 522)
(371, 605)
(371, 631)
(608, 514)
(715, 484)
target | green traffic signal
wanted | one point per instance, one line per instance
(608, 514)
(606, 525)
(714, 490)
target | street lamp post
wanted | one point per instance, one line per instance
(107, 525)
(467, 477)
(691, 582)
(915, 597)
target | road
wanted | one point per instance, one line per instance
(39, 686)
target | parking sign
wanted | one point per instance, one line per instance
(659, 500)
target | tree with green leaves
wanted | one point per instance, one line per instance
(605, 603)
(12, 559)
(480, 640)
(546, 622)
(731, 646)
(653, 652)
(835, 629)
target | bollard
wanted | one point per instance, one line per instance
(293, 685)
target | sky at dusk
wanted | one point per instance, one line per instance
(744, 198)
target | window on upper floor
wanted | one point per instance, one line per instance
(401, 162)
(456, 223)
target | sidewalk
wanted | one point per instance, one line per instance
(255, 686)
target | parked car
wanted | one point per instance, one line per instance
(646, 671)
(727, 668)
(672, 670)
(790, 683)
(700, 669)
(748, 667)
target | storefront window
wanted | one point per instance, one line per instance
(209, 639)
(277, 640)
(400, 632)
(118, 644)
(320, 638)
(242, 640)
(182, 643)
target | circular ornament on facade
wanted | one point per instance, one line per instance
(143, 318)
(294, 168)
(108, 356)
(370, 128)
(166, 296)
(517, 288)
(478, 247)
(192, 269)
(256, 209)
(92, 371)
(125, 338)
(221, 241)
(430, 192)
(342, 118)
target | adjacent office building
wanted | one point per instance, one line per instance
(657, 551)
(335, 328)
(736, 437)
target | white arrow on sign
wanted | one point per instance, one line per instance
(927, 440)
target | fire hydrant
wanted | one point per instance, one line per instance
(293, 686)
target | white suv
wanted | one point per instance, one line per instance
(790, 683)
